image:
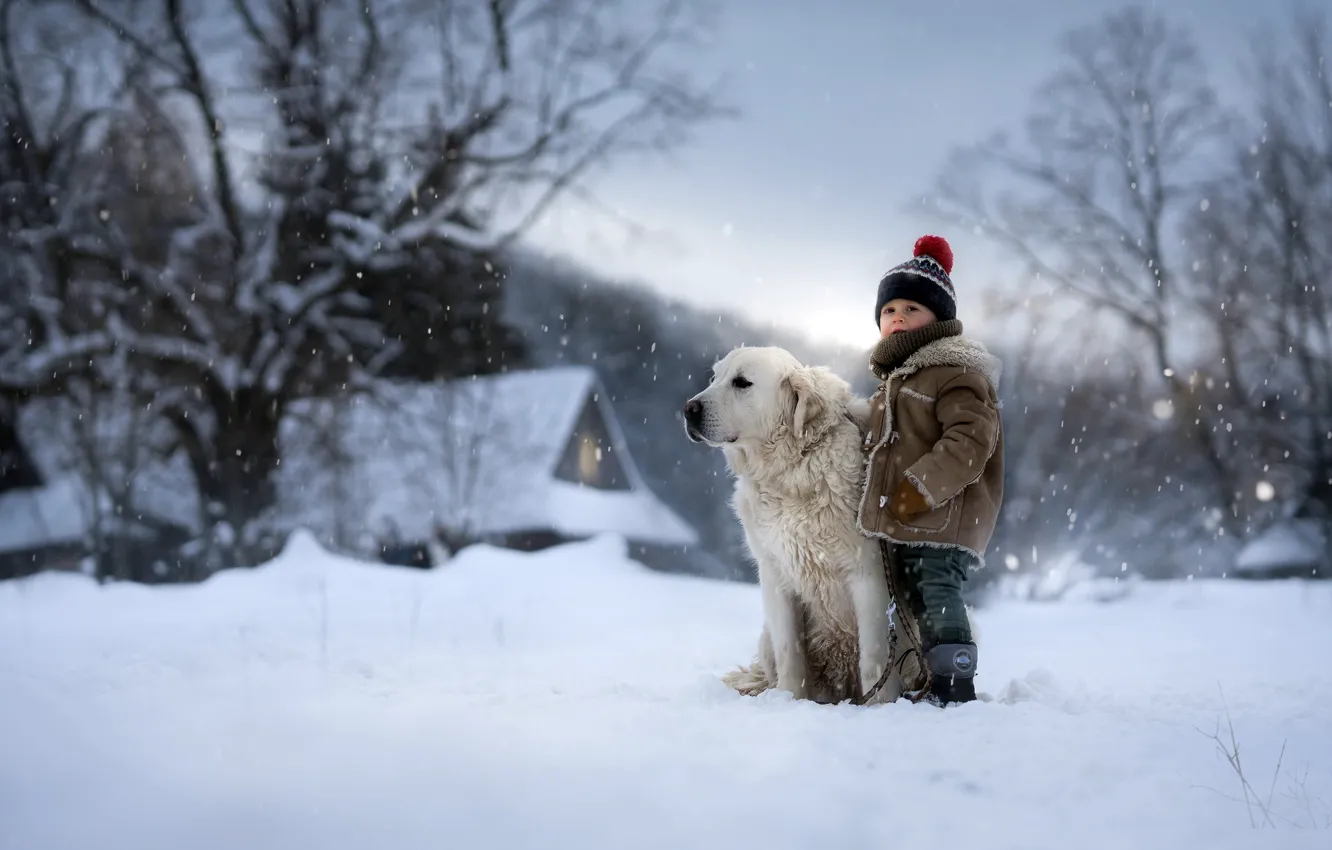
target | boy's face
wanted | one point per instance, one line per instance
(903, 315)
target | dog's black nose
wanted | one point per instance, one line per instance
(693, 409)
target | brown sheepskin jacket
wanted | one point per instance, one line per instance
(935, 422)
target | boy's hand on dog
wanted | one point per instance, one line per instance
(908, 501)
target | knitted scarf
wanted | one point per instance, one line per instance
(893, 350)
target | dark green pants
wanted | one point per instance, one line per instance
(934, 578)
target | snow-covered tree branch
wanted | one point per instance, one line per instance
(262, 200)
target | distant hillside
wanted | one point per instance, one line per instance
(653, 353)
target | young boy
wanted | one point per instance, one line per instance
(935, 460)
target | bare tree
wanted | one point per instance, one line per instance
(1262, 250)
(333, 165)
(407, 463)
(113, 447)
(479, 445)
(1116, 152)
(108, 467)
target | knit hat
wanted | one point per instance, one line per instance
(923, 279)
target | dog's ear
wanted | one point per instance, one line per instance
(808, 402)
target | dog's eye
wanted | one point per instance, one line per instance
(740, 382)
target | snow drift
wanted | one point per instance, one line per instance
(571, 698)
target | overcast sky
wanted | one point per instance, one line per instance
(792, 212)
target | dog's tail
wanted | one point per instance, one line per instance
(750, 680)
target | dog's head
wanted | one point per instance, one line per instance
(759, 395)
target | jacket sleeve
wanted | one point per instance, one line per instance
(970, 432)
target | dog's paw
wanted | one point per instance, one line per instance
(747, 680)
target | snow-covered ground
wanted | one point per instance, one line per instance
(570, 699)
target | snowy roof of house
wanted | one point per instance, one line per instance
(1292, 543)
(476, 455)
(52, 514)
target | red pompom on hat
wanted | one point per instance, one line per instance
(936, 248)
(924, 279)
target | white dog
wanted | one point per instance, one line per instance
(791, 435)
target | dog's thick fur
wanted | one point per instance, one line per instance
(791, 436)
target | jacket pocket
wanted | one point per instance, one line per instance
(936, 520)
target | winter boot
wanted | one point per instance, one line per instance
(952, 672)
